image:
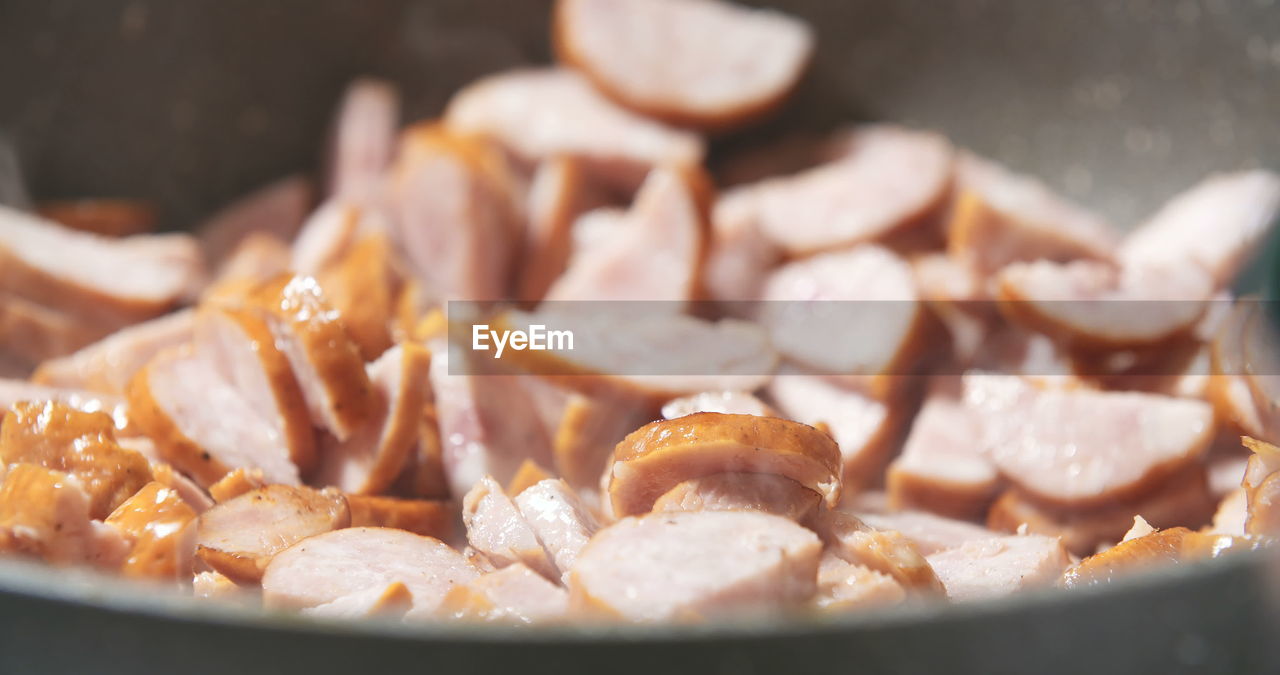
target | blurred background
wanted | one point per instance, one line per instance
(1118, 103)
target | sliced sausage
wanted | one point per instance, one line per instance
(96, 278)
(558, 195)
(157, 523)
(238, 537)
(1131, 441)
(885, 551)
(666, 223)
(654, 57)
(321, 353)
(1262, 488)
(329, 566)
(862, 426)
(1090, 305)
(391, 602)
(83, 445)
(456, 223)
(660, 455)
(181, 402)
(363, 137)
(360, 287)
(236, 483)
(514, 594)
(739, 256)
(888, 180)
(242, 348)
(1182, 498)
(854, 312)
(496, 528)
(559, 519)
(846, 587)
(942, 467)
(695, 565)
(1216, 225)
(1002, 217)
(370, 460)
(741, 492)
(988, 568)
(109, 364)
(487, 424)
(542, 113)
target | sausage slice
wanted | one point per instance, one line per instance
(695, 565)
(845, 587)
(514, 594)
(762, 492)
(559, 520)
(660, 455)
(355, 560)
(238, 537)
(986, 568)
(548, 112)
(655, 57)
(45, 513)
(157, 523)
(108, 364)
(497, 529)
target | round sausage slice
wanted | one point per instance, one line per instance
(329, 566)
(660, 455)
(239, 536)
(655, 56)
(695, 565)
(741, 492)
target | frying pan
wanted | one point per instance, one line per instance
(1116, 103)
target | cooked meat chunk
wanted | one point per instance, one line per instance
(558, 194)
(109, 364)
(889, 179)
(488, 424)
(559, 519)
(739, 256)
(363, 137)
(1001, 217)
(17, 391)
(542, 113)
(1214, 226)
(1131, 441)
(659, 456)
(360, 288)
(1181, 498)
(370, 460)
(845, 587)
(238, 537)
(157, 523)
(324, 359)
(1262, 488)
(497, 529)
(1172, 546)
(45, 513)
(514, 594)
(236, 483)
(853, 312)
(80, 444)
(182, 403)
(455, 219)
(884, 551)
(942, 467)
(95, 278)
(666, 221)
(240, 345)
(1090, 305)
(767, 493)
(321, 569)
(861, 426)
(985, 568)
(695, 565)
(654, 56)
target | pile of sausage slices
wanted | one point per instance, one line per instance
(265, 412)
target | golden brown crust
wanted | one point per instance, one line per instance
(528, 475)
(236, 483)
(157, 522)
(360, 287)
(660, 455)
